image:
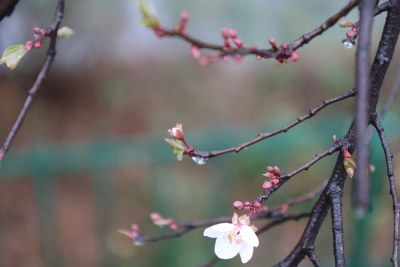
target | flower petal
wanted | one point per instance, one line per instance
(246, 252)
(225, 248)
(249, 236)
(218, 229)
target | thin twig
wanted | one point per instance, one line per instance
(313, 257)
(284, 178)
(284, 129)
(279, 221)
(265, 53)
(393, 191)
(51, 52)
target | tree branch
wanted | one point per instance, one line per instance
(284, 129)
(392, 185)
(51, 52)
(337, 225)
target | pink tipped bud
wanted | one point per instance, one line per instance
(345, 23)
(177, 132)
(135, 228)
(195, 52)
(232, 33)
(256, 204)
(334, 138)
(351, 34)
(156, 216)
(225, 33)
(37, 44)
(371, 167)
(272, 42)
(270, 168)
(294, 56)
(274, 181)
(36, 30)
(226, 43)
(184, 16)
(238, 205)
(269, 175)
(238, 58)
(29, 45)
(284, 46)
(238, 42)
(267, 185)
(346, 153)
(174, 226)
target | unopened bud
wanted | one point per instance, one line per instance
(238, 205)
(267, 185)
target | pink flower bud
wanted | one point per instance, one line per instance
(346, 153)
(29, 45)
(267, 185)
(232, 33)
(156, 216)
(195, 52)
(294, 56)
(238, 42)
(37, 44)
(350, 34)
(226, 43)
(177, 132)
(284, 46)
(256, 204)
(174, 226)
(184, 16)
(270, 168)
(225, 33)
(238, 205)
(238, 58)
(274, 181)
(135, 228)
(36, 30)
(334, 138)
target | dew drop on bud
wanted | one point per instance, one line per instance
(199, 160)
(348, 44)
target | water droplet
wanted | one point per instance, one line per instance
(138, 241)
(199, 160)
(348, 43)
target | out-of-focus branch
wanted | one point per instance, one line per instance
(51, 52)
(284, 129)
(393, 191)
(264, 53)
(7, 7)
(361, 181)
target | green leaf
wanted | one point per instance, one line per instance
(65, 32)
(13, 55)
(149, 15)
(179, 155)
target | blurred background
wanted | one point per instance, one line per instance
(90, 157)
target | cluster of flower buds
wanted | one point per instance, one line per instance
(231, 35)
(160, 221)
(38, 35)
(351, 34)
(286, 52)
(183, 20)
(253, 206)
(133, 233)
(273, 174)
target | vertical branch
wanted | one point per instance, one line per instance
(362, 182)
(393, 191)
(51, 53)
(337, 225)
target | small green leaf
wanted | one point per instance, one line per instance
(13, 55)
(149, 15)
(179, 155)
(350, 166)
(65, 32)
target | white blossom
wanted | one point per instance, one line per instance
(233, 238)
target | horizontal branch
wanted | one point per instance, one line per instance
(284, 129)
